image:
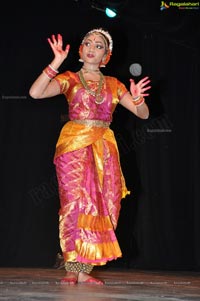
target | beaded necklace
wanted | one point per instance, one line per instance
(98, 97)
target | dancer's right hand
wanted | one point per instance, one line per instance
(56, 44)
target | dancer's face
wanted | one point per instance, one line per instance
(94, 49)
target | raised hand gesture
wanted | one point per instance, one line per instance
(57, 47)
(140, 88)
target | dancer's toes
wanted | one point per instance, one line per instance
(92, 280)
(85, 278)
(70, 278)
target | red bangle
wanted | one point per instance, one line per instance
(50, 72)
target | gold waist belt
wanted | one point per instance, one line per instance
(90, 122)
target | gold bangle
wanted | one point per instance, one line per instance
(139, 102)
(137, 98)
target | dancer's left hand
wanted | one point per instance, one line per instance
(140, 88)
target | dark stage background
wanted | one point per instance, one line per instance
(160, 220)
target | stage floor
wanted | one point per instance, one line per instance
(27, 284)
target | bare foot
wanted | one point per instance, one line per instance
(85, 278)
(70, 278)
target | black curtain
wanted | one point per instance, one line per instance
(159, 222)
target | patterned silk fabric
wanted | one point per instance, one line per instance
(90, 180)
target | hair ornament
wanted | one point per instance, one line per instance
(105, 34)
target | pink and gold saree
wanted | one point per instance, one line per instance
(90, 180)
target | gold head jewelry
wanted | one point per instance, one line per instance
(106, 35)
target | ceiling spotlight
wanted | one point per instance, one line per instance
(109, 7)
(111, 13)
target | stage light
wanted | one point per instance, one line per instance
(111, 13)
(110, 7)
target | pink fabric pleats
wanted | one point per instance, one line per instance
(89, 210)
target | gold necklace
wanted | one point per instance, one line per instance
(88, 70)
(98, 97)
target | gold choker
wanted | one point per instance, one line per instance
(90, 70)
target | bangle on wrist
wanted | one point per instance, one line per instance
(49, 77)
(50, 72)
(138, 101)
(56, 71)
(136, 98)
